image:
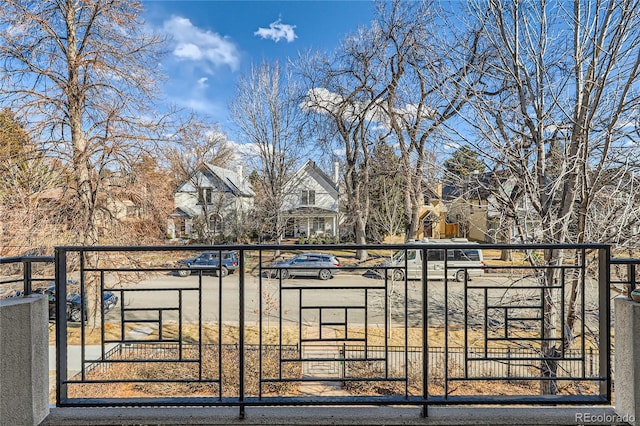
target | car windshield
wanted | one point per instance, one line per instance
(398, 256)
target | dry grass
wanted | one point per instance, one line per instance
(162, 377)
(159, 378)
(190, 334)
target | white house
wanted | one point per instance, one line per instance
(210, 202)
(310, 202)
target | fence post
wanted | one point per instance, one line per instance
(604, 323)
(24, 360)
(627, 383)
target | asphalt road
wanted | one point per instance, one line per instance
(351, 299)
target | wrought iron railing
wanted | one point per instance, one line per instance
(535, 330)
(627, 274)
(21, 280)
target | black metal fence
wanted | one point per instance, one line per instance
(535, 330)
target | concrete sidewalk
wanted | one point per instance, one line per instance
(74, 356)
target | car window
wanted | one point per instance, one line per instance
(466, 255)
(435, 255)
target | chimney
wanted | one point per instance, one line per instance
(336, 172)
(239, 172)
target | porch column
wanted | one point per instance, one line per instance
(627, 359)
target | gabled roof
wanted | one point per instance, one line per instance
(230, 180)
(477, 187)
(312, 169)
(238, 185)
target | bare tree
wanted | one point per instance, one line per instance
(387, 182)
(431, 72)
(28, 184)
(82, 75)
(561, 124)
(198, 143)
(345, 96)
(270, 120)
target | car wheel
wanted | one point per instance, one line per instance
(398, 275)
(460, 276)
(223, 271)
(184, 272)
(284, 274)
(324, 274)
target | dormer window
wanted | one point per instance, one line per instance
(308, 198)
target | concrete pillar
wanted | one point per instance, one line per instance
(627, 359)
(24, 360)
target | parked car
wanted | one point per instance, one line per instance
(460, 263)
(74, 300)
(320, 265)
(7, 292)
(209, 261)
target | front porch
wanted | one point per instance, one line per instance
(311, 222)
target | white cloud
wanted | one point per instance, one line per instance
(195, 44)
(277, 31)
(202, 83)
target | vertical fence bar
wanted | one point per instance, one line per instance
(425, 335)
(61, 325)
(200, 333)
(241, 332)
(220, 347)
(27, 271)
(604, 343)
(83, 303)
(102, 321)
(260, 329)
(631, 278)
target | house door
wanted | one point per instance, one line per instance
(289, 229)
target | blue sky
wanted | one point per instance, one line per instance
(214, 42)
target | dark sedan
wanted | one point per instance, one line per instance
(74, 301)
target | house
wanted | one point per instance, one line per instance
(475, 209)
(433, 213)
(310, 202)
(210, 203)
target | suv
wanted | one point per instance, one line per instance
(209, 261)
(320, 265)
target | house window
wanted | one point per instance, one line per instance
(308, 198)
(205, 195)
(215, 224)
(318, 225)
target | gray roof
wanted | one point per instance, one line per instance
(237, 185)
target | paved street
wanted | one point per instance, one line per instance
(345, 298)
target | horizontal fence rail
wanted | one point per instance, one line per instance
(268, 325)
(20, 274)
(626, 272)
